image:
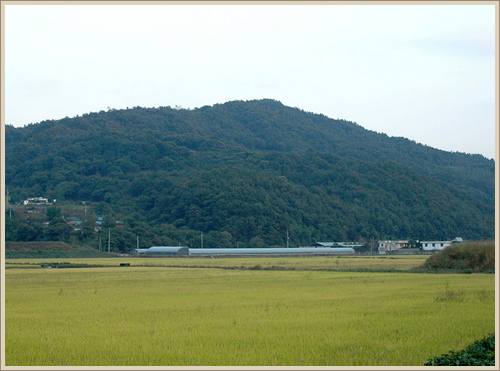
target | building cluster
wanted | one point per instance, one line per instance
(100, 221)
(74, 222)
(390, 246)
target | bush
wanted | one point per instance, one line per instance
(465, 257)
(480, 353)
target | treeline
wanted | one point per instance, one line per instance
(243, 173)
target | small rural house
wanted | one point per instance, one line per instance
(439, 245)
(385, 246)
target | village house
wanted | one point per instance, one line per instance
(388, 246)
(385, 246)
(439, 245)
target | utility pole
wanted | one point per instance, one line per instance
(287, 239)
(8, 201)
(109, 239)
(137, 241)
(10, 208)
(202, 240)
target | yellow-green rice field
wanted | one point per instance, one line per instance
(178, 316)
(398, 263)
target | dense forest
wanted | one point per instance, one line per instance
(242, 173)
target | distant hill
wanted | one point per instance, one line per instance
(244, 172)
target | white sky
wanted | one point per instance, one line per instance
(424, 72)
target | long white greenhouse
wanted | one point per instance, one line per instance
(273, 251)
(184, 251)
(163, 250)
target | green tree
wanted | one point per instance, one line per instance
(257, 242)
(58, 230)
(53, 213)
(11, 228)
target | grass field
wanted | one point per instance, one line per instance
(340, 263)
(160, 316)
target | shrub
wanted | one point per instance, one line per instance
(466, 257)
(480, 353)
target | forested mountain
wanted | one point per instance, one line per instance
(244, 172)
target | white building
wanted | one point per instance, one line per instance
(435, 245)
(385, 246)
(439, 245)
(36, 200)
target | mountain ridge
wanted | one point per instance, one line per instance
(359, 183)
(315, 132)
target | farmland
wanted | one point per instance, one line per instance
(337, 263)
(182, 312)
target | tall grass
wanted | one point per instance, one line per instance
(157, 316)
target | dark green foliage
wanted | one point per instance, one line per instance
(46, 249)
(53, 213)
(464, 257)
(480, 353)
(244, 172)
(41, 245)
(44, 254)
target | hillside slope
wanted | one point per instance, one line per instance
(251, 170)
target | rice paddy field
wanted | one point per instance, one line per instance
(339, 263)
(187, 312)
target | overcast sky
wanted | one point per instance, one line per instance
(424, 72)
